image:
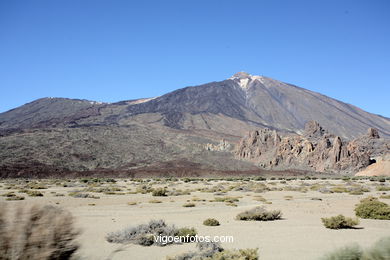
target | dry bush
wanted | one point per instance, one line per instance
(144, 234)
(189, 205)
(211, 222)
(259, 214)
(353, 252)
(159, 192)
(339, 222)
(372, 208)
(37, 233)
(379, 251)
(214, 251)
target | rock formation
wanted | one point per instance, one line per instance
(315, 149)
(222, 146)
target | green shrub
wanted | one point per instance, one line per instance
(339, 222)
(233, 254)
(159, 192)
(353, 252)
(383, 188)
(211, 222)
(189, 205)
(34, 193)
(259, 214)
(225, 199)
(379, 251)
(155, 201)
(339, 189)
(214, 251)
(372, 208)
(15, 198)
(185, 231)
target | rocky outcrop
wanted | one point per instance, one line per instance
(222, 146)
(315, 149)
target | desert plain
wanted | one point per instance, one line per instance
(101, 206)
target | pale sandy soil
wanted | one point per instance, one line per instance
(380, 168)
(299, 235)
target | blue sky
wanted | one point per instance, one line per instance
(118, 50)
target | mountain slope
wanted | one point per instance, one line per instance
(248, 101)
(262, 101)
(46, 112)
(177, 130)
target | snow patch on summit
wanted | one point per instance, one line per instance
(244, 79)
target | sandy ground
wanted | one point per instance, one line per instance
(380, 168)
(299, 235)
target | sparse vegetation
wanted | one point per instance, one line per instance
(225, 199)
(211, 222)
(189, 205)
(383, 188)
(385, 196)
(185, 231)
(260, 214)
(353, 252)
(144, 234)
(214, 251)
(77, 194)
(160, 192)
(34, 193)
(379, 251)
(155, 201)
(38, 233)
(372, 208)
(339, 222)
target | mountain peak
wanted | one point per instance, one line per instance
(241, 75)
(245, 79)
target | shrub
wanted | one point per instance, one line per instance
(155, 201)
(34, 193)
(232, 254)
(38, 233)
(214, 251)
(211, 222)
(225, 199)
(144, 234)
(260, 198)
(15, 198)
(339, 222)
(353, 252)
(185, 231)
(160, 192)
(379, 251)
(259, 214)
(189, 205)
(143, 189)
(383, 188)
(77, 194)
(231, 204)
(339, 189)
(372, 208)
